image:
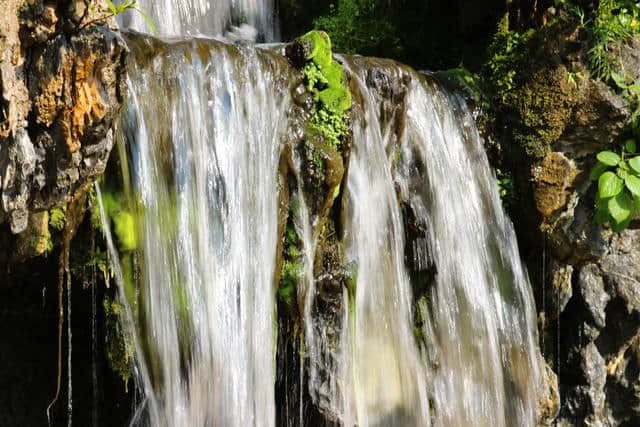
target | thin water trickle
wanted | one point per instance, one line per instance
(94, 350)
(69, 357)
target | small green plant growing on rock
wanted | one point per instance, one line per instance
(130, 5)
(114, 9)
(618, 177)
(325, 78)
(618, 174)
(614, 21)
(504, 53)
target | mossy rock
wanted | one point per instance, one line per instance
(543, 107)
(325, 79)
(317, 48)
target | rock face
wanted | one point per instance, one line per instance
(587, 276)
(59, 73)
(601, 326)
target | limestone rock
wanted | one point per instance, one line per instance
(60, 75)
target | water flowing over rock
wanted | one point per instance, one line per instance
(208, 18)
(217, 140)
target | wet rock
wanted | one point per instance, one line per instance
(593, 293)
(561, 287)
(549, 399)
(554, 176)
(60, 73)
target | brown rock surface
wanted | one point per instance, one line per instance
(60, 71)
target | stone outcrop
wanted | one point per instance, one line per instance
(60, 75)
(586, 277)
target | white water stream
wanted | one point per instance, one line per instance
(205, 123)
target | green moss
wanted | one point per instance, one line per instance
(325, 78)
(544, 108)
(504, 54)
(58, 218)
(119, 346)
(292, 267)
(318, 46)
(124, 221)
(125, 230)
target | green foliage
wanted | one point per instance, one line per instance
(618, 177)
(292, 267)
(124, 221)
(116, 9)
(325, 78)
(58, 218)
(614, 21)
(506, 187)
(360, 26)
(504, 54)
(631, 93)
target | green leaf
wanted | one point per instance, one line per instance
(608, 158)
(112, 7)
(630, 146)
(620, 207)
(609, 185)
(635, 164)
(148, 20)
(619, 80)
(635, 88)
(622, 171)
(633, 184)
(621, 226)
(597, 170)
(602, 216)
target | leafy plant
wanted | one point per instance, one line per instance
(615, 20)
(504, 52)
(360, 26)
(117, 9)
(631, 93)
(573, 77)
(618, 177)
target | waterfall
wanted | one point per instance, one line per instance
(205, 138)
(205, 17)
(389, 376)
(439, 327)
(482, 311)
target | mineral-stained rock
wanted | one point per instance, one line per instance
(555, 175)
(60, 72)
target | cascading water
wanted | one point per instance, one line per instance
(389, 376)
(482, 311)
(204, 17)
(206, 123)
(479, 322)
(205, 141)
